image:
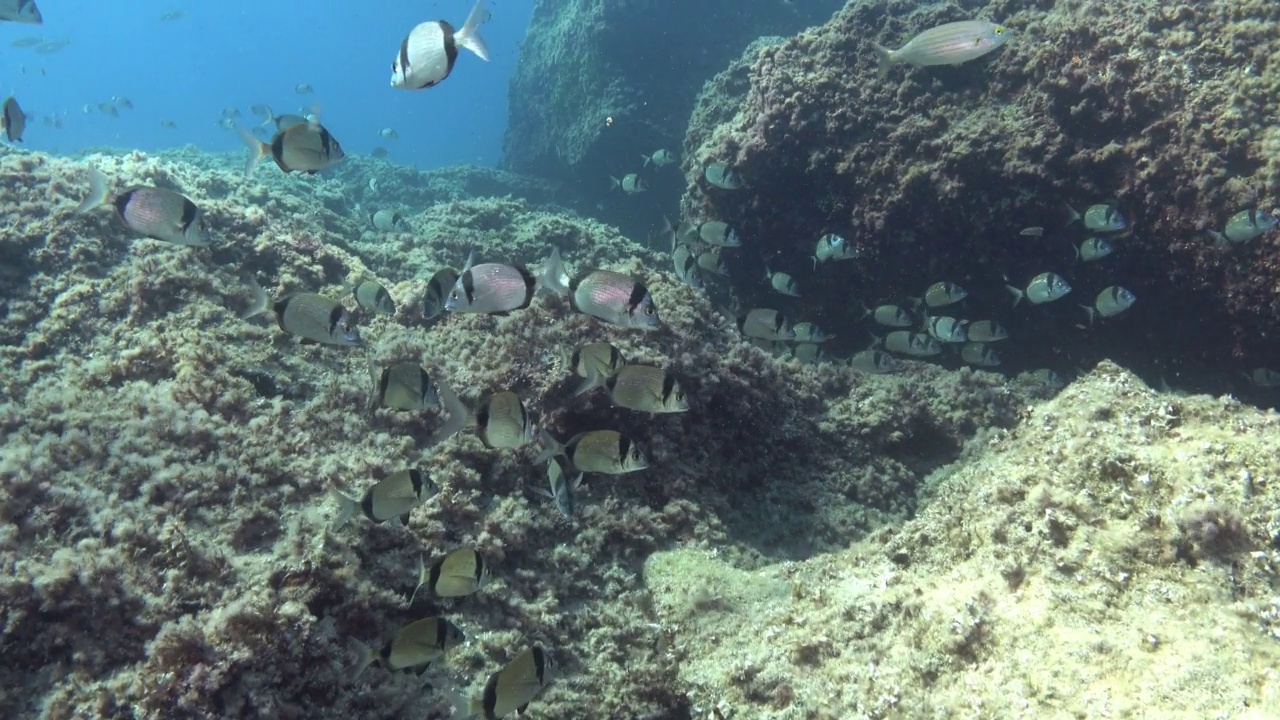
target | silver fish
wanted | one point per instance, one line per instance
(491, 288)
(835, 248)
(156, 213)
(413, 648)
(608, 452)
(809, 332)
(875, 362)
(438, 289)
(661, 158)
(892, 316)
(646, 389)
(979, 354)
(808, 353)
(766, 324)
(388, 221)
(984, 331)
(716, 232)
(712, 262)
(1043, 288)
(686, 266)
(396, 496)
(1246, 225)
(13, 120)
(460, 573)
(402, 386)
(1264, 377)
(1102, 217)
(614, 298)
(309, 316)
(722, 176)
(512, 688)
(428, 52)
(941, 294)
(503, 422)
(374, 298)
(950, 44)
(1110, 302)
(905, 342)
(389, 133)
(947, 329)
(561, 488)
(782, 283)
(630, 183)
(595, 362)
(307, 148)
(1095, 248)
(21, 11)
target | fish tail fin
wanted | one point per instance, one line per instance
(593, 381)
(553, 278)
(1090, 312)
(257, 151)
(373, 386)
(552, 449)
(364, 657)
(261, 303)
(884, 58)
(1017, 294)
(422, 579)
(646, 159)
(614, 182)
(457, 414)
(347, 508)
(469, 36)
(1077, 249)
(1072, 215)
(97, 191)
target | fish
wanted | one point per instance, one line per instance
(630, 183)
(491, 288)
(53, 46)
(379, 152)
(1032, 232)
(286, 121)
(715, 232)
(984, 331)
(413, 649)
(156, 213)
(1094, 248)
(512, 688)
(428, 52)
(21, 11)
(303, 88)
(372, 297)
(1043, 288)
(891, 316)
(395, 496)
(615, 298)
(306, 148)
(1102, 217)
(661, 158)
(1049, 378)
(1110, 302)
(171, 15)
(809, 332)
(947, 329)
(438, 288)
(460, 573)
(766, 324)
(561, 488)
(595, 362)
(122, 102)
(231, 113)
(941, 294)
(308, 315)
(13, 120)
(905, 342)
(686, 267)
(503, 422)
(722, 176)
(950, 44)
(835, 248)
(1249, 224)
(402, 386)
(388, 220)
(874, 362)
(608, 452)
(107, 108)
(782, 283)
(227, 124)
(712, 262)
(646, 389)
(808, 353)
(979, 354)
(389, 134)
(1264, 377)
(23, 42)
(263, 111)
(169, 124)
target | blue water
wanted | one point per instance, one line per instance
(238, 53)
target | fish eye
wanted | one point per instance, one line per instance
(999, 31)
(454, 295)
(648, 310)
(635, 455)
(680, 395)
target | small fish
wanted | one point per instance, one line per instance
(715, 232)
(303, 88)
(561, 488)
(306, 148)
(595, 362)
(389, 134)
(1043, 288)
(984, 331)
(262, 111)
(947, 329)
(1248, 224)
(227, 124)
(1049, 379)
(1264, 377)
(156, 213)
(13, 121)
(231, 113)
(630, 183)
(379, 152)
(402, 386)
(979, 354)
(22, 42)
(171, 15)
(941, 294)
(950, 44)
(307, 315)
(1110, 302)
(808, 353)
(107, 108)
(1095, 248)
(428, 52)
(905, 342)
(20, 11)
(460, 573)
(1032, 232)
(810, 333)
(491, 288)
(503, 422)
(388, 221)
(438, 291)
(712, 262)
(874, 362)
(722, 176)
(686, 267)
(646, 389)
(53, 46)
(1102, 217)
(661, 158)
(396, 496)
(615, 298)
(766, 324)
(892, 316)
(168, 124)
(835, 248)
(608, 452)
(372, 297)
(512, 688)
(782, 283)
(413, 648)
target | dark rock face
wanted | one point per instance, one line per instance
(1168, 110)
(602, 81)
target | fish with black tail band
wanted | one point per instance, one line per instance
(492, 288)
(607, 452)
(630, 183)
(615, 298)
(718, 233)
(722, 176)
(460, 573)
(503, 422)
(1110, 302)
(307, 147)
(1102, 217)
(782, 283)
(808, 353)
(893, 316)
(402, 386)
(308, 315)
(874, 362)
(713, 262)
(156, 213)
(511, 689)
(561, 488)
(950, 44)
(396, 496)
(979, 354)
(438, 288)
(372, 297)
(1043, 288)
(686, 267)
(941, 294)
(21, 11)
(809, 332)
(1243, 226)
(595, 362)
(947, 329)
(413, 649)
(913, 344)
(427, 54)
(766, 324)
(984, 331)
(834, 248)
(388, 221)
(646, 389)
(661, 158)
(1094, 248)
(13, 120)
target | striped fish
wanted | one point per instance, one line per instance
(949, 44)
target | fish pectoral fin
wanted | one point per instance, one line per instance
(404, 519)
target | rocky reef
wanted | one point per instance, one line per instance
(1167, 109)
